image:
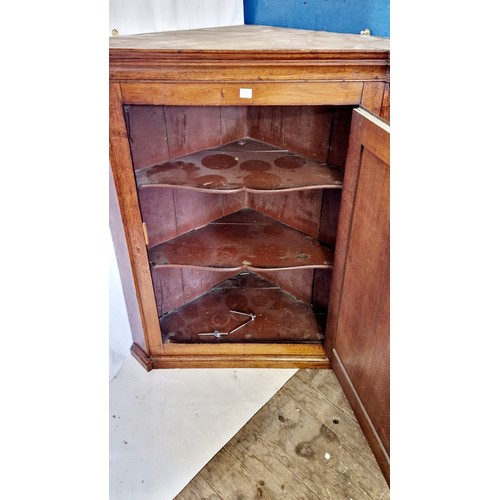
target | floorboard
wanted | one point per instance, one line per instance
(304, 443)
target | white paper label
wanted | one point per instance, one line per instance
(246, 93)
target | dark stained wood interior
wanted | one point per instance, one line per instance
(298, 209)
(175, 286)
(223, 189)
(223, 315)
(171, 212)
(339, 139)
(243, 240)
(297, 282)
(161, 134)
(147, 133)
(242, 165)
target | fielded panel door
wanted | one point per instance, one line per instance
(359, 345)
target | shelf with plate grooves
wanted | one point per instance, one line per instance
(231, 252)
(239, 195)
(244, 308)
(242, 165)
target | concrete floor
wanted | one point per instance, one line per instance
(165, 425)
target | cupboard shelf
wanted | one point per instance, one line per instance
(242, 165)
(279, 316)
(245, 239)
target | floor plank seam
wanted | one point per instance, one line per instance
(291, 471)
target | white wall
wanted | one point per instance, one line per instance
(144, 16)
(120, 336)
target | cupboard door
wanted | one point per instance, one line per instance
(359, 346)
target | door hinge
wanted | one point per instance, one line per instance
(145, 231)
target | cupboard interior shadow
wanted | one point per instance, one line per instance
(240, 206)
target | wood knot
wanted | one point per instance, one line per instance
(304, 450)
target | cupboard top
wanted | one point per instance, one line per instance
(248, 38)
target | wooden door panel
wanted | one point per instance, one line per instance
(363, 328)
(360, 323)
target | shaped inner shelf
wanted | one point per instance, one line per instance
(243, 165)
(243, 240)
(245, 308)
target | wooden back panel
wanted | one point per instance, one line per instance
(163, 133)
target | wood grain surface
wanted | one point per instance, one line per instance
(304, 443)
(243, 240)
(123, 178)
(245, 164)
(359, 308)
(228, 94)
(244, 308)
(251, 38)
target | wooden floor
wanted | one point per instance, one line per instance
(304, 443)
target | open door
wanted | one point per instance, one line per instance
(358, 330)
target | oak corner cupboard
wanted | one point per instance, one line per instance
(250, 203)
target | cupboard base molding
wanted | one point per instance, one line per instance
(362, 416)
(228, 358)
(239, 362)
(144, 360)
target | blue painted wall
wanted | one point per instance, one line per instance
(342, 16)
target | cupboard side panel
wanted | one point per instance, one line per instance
(147, 135)
(265, 123)
(306, 131)
(234, 202)
(158, 212)
(233, 123)
(302, 210)
(385, 111)
(171, 212)
(196, 282)
(154, 130)
(330, 216)
(195, 209)
(371, 99)
(174, 287)
(192, 128)
(123, 175)
(279, 125)
(298, 209)
(339, 140)
(341, 242)
(298, 282)
(123, 260)
(169, 290)
(321, 288)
